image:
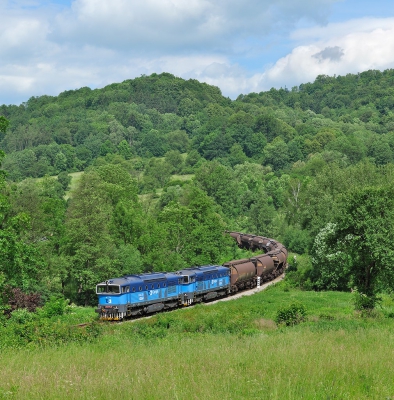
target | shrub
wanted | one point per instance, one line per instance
(16, 299)
(365, 303)
(21, 316)
(291, 315)
(298, 274)
(54, 307)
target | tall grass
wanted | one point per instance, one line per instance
(230, 350)
(291, 364)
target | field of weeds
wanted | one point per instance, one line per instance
(230, 350)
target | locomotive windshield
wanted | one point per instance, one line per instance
(107, 289)
(188, 279)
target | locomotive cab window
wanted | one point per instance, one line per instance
(185, 279)
(107, 289)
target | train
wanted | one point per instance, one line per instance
(142, 294)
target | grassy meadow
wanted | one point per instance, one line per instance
(229, 350)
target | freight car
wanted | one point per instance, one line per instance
(140, 294)
(247, 273)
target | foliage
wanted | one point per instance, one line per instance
(291, 315)
(362, 302)
(15, 299)
(152, 115)
(3, 124)
(299, 272)
(56, 306)
(64, 179)
(332, 266)
(361, 240)
(311, 167)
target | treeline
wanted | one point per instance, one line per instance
(346, 118)
(147, 116)
(52, 246)
(170, 164)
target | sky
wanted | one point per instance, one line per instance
(241, 46)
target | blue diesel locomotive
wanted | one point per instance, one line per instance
(134, 295)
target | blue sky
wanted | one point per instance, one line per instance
(48, 46)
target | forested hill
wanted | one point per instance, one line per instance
(145, 116)
(350, 116)
(151, 115)
(366, 97)
(170, 164)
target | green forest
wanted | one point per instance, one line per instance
(147, 174)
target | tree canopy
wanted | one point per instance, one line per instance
(146, 174)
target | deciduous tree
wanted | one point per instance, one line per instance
(363, 235)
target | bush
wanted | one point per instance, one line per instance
(54, 307)
(297, 240)
(15, 299)
(291, 315)
(363, 303)
(21, 316)
(298, 274)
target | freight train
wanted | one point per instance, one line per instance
(137, 295)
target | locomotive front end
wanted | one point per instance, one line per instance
(111, 305)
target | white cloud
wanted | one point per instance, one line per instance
(154, 26)
(96, 42)
(22, 37)
(350, 47)
(47, 49)
(342, 29)
(357, 51)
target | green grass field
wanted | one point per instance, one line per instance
(187, 177)
(230, 350)
(75, 176)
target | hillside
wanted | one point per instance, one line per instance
(291, 165)
(346, 118)
(146, 116)
(146, 175)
